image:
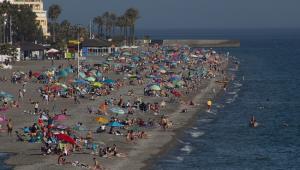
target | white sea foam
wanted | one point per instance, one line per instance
(232, 92)
(237, 84)
(179, 158)
(196, 134)
(228, 101)
(187, 149)
(219, 106)
(205, 120)
(195, 128)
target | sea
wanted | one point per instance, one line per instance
(266, 85)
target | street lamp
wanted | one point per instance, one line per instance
(78, 51)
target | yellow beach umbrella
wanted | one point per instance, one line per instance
(97, 84)
(102, 120)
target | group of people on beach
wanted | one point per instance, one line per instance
(167, 77)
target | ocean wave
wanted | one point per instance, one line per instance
(179, 158)
(219, 106)
(187, 148)
(205, 120)
(197, 134)
(237, 84)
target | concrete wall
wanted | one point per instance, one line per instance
(203, 43)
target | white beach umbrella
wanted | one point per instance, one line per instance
(52, 50)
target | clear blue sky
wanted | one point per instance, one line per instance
(162, 14)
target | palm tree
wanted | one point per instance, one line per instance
(99, 22)
(132, 14)
(65, 28)
(112, 19)
(53, 14)
(106, 22)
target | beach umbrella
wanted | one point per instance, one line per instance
(109, 81)
(97, 84)
(62, 73)
(136, 58)
(114, 124)
(3, 119)
(82, 75)
(62, 127)
(60, 117)
(91, 79)
(80, 81)
(162, 71)
(65, 138)
(36, 74)
(102, 120)
(176, 93)
(127, 53)
(155, 87)
(52, 50)
(117, 110)
(68, 70)
(55, 88)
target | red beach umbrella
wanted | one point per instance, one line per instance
(65, 138)
(36, 74)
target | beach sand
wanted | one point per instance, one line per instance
(140, 154)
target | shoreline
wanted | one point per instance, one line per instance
(154, 148)
(160, 148)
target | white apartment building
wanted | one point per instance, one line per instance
(37, 7)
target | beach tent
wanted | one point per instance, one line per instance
(114, 124)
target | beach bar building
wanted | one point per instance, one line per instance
(96, 47)
(30, 51)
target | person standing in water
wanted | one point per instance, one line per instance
(209, 104)
(253, 122)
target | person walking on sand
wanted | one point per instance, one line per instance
(96, 165)
(36, 107)
(209, 104)
(21, 95)
(9, 127)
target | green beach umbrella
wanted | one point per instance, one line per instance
(155, 87)
(117, 110)
(91, 79)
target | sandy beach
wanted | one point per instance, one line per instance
(139, 153)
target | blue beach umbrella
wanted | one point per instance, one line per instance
(80, 81)
(114, 124)
(68, 70)
(62, 73)
(109, 81)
